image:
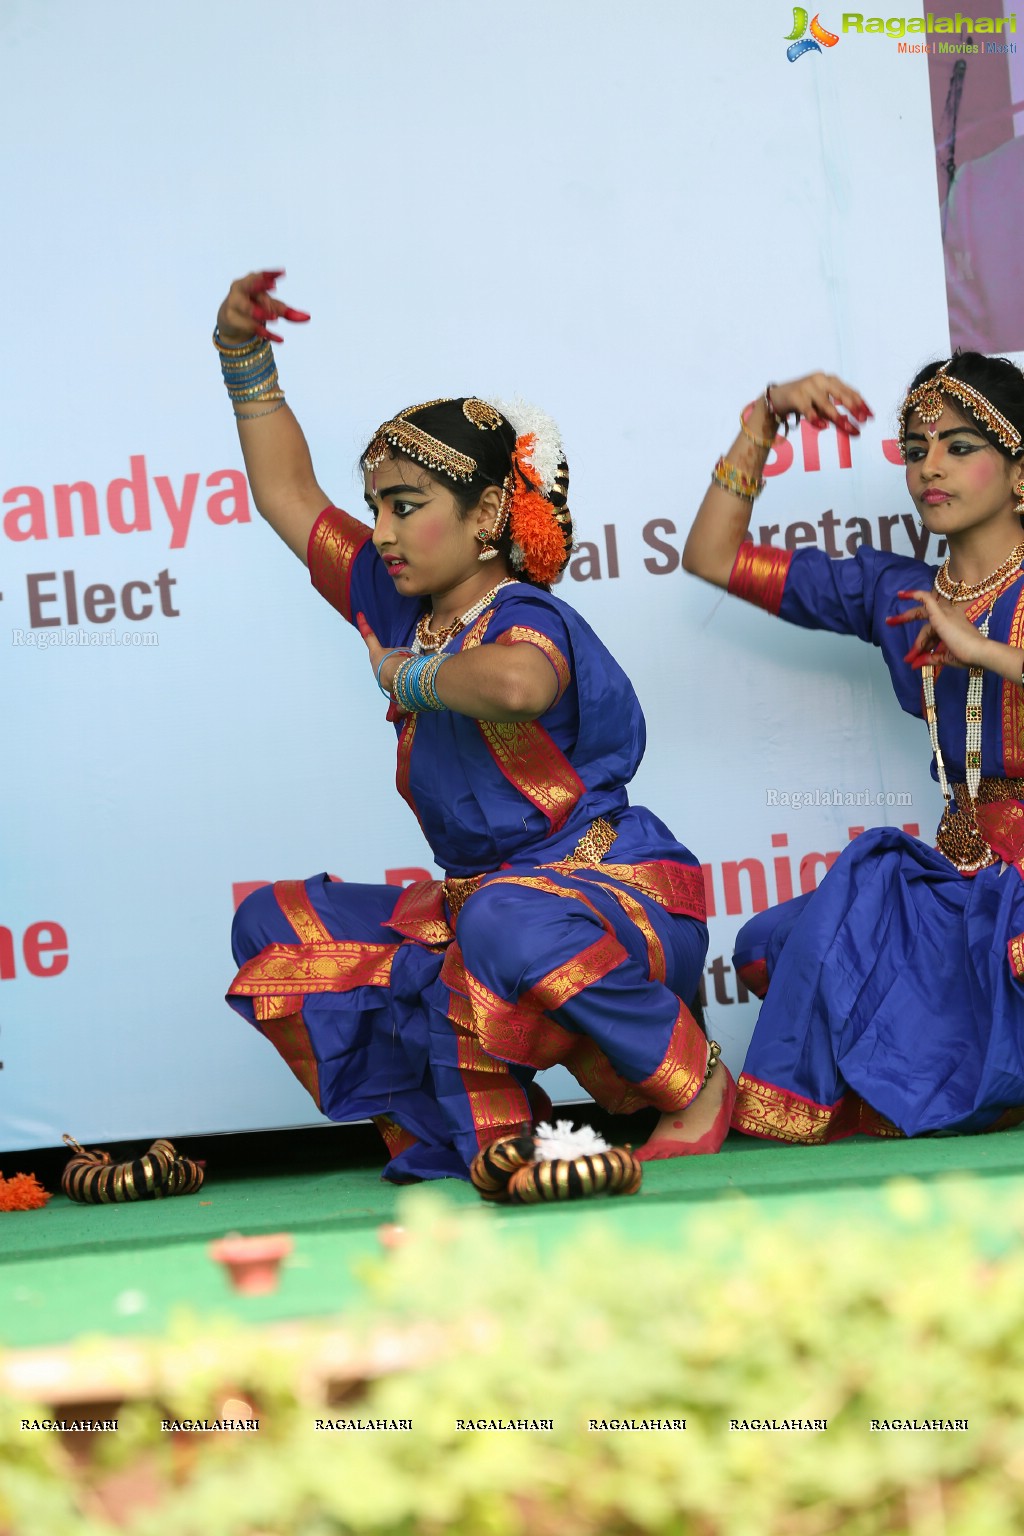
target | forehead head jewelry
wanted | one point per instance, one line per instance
(402, 436)
(927, 401)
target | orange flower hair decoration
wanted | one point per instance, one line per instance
(538, 526)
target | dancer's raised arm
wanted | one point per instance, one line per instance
(277, 459)
(720, 526)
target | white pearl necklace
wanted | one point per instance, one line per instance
(426, 641)
(973, 722)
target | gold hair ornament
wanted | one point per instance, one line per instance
(927, 401)
(402, 436)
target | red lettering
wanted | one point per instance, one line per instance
(45, 939)
(809, 445)
(44, 946)
(809, 869)
(406, 876)
(180, 515)
(783, 874)
(709, 889)
(33, 508)
(754, 870)
(780, 458)
(236, 494)
(86, 494)
(137, 489)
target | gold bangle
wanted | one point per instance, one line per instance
(735, 481)
(242, 349)
(762, 442)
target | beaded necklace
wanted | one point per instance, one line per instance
(428, 640)
(962, 592)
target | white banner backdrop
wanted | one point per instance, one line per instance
(632, 219)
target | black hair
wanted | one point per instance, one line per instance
(491, 448)
(999, 380)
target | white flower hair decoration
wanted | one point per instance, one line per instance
(530, 421)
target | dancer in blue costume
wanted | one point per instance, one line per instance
(570, 925)
(894, 993)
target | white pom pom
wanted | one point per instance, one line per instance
(554, 1142)
(547, 450)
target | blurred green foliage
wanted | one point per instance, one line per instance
(917, 1315)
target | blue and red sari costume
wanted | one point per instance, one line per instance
(569, 928)
(894, 993)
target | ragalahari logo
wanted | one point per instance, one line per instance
(799, 44)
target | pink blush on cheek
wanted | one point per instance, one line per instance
(981, 471)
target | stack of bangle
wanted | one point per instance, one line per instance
(732, 479)
(250, 374)
(414, 684)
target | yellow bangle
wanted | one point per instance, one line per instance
(762, 442)
(734, 480)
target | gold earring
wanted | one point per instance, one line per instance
(1018, 491)
(489, 552)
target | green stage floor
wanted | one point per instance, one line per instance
(72, 1270)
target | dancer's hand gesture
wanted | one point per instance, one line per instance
(250, 306)
(821, 398)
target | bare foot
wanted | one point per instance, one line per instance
(691, 1123)
(698, 1129)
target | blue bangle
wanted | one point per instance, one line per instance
(397, 652)
(413, 685)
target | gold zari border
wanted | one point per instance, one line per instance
(396, 1138)
(336, 966)
(679, 888)
(638, 917)
(1015, 955)
(290, 1038)
(519, 634)
(763, 1110)
(293, 899)
(530, 761)
(335, 540)
(419, 913)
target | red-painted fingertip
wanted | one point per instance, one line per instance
(272, 274)
(293, 314)
(261, 330)
(273, 336)
(911, 596)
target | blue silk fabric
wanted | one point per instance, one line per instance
(578, 965)
(894, 1004)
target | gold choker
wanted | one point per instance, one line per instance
(962, 592)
